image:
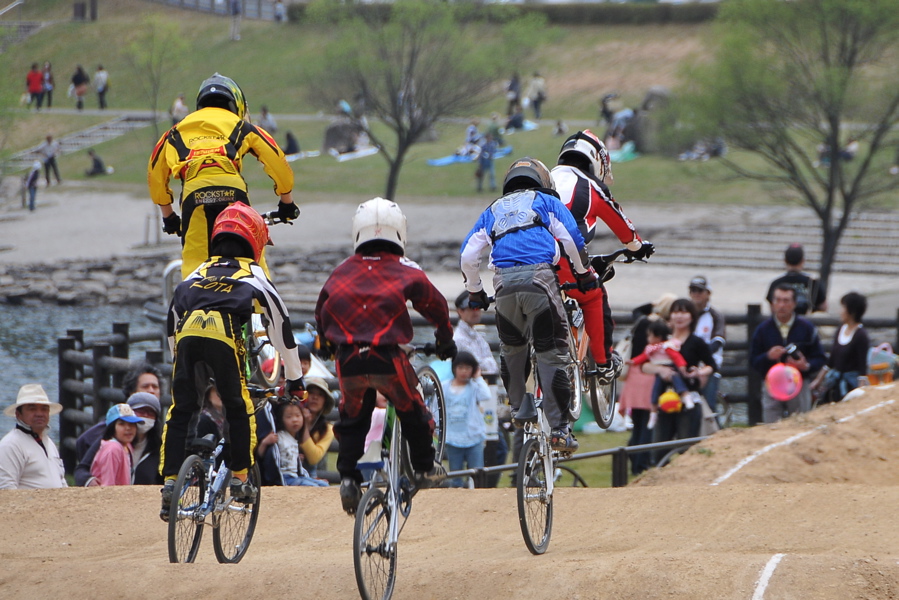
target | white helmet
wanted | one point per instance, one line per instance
(591, 147)
(379, 219)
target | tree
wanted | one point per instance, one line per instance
(790, 80)
(413, 63)
(155, 56)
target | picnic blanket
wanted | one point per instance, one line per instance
(624, 154)
(466, 158)
(362, 152)
(299, 155)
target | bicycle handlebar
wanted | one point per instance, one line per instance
(603, 265)
(273, 218)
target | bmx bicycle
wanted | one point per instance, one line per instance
(583, 374)
(387, 503)
(536, 473)
(202, 491)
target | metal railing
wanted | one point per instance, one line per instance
(90, 381)
(619, 461)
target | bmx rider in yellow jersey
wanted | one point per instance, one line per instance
(205, 151)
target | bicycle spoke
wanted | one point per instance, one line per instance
(534, 501)
(374, 554)
(234, 524)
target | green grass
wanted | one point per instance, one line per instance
(580, 64)
(597, 472)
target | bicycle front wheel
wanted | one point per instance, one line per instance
(373, 559)
(535, 505)
(185, 514)
(432, 393)
(602, 397)
(235, 522)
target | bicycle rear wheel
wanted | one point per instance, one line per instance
(432, 393)
(235, 523)
(375, 565)
(535, 506)
(602, 397)
(185, 520)
(576, 381)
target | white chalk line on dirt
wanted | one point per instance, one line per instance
(762, 584)
(790, 440)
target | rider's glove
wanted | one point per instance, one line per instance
(645, 251)
(288, 212)
(587, 281)
(446, 350)
(326, 350)
(171, 224)
(296, 387)
(478, 300)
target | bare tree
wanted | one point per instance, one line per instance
(790, 81)
(154, 57)
(417, 65)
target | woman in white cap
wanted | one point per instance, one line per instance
(113, 463)
(28, 457)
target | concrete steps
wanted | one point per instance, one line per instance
(867, 247)
(86, 138)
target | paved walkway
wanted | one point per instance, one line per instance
(76, 221)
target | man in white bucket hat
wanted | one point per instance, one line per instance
(28, 457)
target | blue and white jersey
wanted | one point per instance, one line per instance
(522, 228)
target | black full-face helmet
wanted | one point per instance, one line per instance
(222, 92)
(525, 174)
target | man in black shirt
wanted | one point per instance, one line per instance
(810, 294)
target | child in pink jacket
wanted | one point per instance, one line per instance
(112, 464)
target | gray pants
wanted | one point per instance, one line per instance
(529, 312)
(775, 410)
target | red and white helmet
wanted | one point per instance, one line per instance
(241, 220)
(784, 382)
(588, 145)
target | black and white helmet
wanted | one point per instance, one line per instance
(586, 144)
(527, 173)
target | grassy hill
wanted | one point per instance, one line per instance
(580, 65)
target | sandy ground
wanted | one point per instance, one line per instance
(817, 511)
(812, 498)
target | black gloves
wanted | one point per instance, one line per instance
(172, 224)
(288, 212)
(326, 350)
(645, 251)
(446, 350)
(296, 387)
(478, 300)
(587, 281)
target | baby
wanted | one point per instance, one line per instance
(660, 350)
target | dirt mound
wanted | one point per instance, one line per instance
(849, 442)
(812, 515)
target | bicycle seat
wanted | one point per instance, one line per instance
(203, 446)
(527, 412)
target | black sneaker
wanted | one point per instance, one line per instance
(429, 479)
(609, 371)
(243, 491)
(350, 495)
(167, 491)
(563, 440)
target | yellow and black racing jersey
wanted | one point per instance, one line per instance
(221, 296)
(205, 151)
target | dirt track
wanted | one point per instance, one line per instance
(826, 502)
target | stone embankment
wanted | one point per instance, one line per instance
(134, 280)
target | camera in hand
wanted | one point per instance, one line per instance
(793, 352)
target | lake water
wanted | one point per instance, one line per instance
(28, 345)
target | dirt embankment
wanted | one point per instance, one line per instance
(812, 498)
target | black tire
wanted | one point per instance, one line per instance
(235, 523)
(566, 476)
(602, 397)
(535, 506)
(375, 566)
(185, 524)
(432, 394)
(576, 381)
